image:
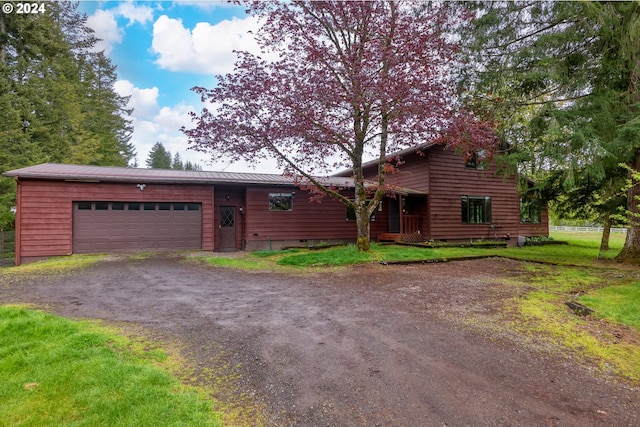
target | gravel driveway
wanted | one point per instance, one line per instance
(365, 346)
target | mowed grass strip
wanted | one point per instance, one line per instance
(581, 250)
(618, 303)
(58, 372)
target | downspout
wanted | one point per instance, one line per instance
(18, 231)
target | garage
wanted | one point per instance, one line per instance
(114, 226)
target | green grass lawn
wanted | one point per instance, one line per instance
(619, 303)
(56, 372)
(581, 250)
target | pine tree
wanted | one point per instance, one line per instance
(159, 157)
(177, 162)
(57, 101)
(562, 80)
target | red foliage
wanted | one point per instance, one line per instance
(346, 70)
(353, 78)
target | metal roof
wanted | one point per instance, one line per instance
(83, 173)
(64, 172)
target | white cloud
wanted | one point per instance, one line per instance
(143, 101)
(135, 14)
(105, 23)
(207, 5)
(106, 29)
(155, 123)
(206, 49)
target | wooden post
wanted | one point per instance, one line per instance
(401, 216)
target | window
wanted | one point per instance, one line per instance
(193, 206)
(134, 206)
(149, 206)
(178, 206)
(476, 160)
(530, 212)
(280, 201)
(476, 210)
(117, 206)
(84, 206)
(164, 206)
(102, 206)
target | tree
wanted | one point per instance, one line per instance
(188, 166)
(570, 72)
(57, 101)
(159, 157)
(106, 113)
(352, 79)
(176, 163)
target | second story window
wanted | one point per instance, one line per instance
(476, 160)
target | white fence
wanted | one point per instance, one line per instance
(585, 229)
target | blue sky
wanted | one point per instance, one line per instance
(161, 50)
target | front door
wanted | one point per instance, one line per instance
(394, 215)
(227, 228)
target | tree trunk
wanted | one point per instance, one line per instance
(364, 229)
(630, 253)
(606, 233)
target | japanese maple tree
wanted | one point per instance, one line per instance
(352, 80)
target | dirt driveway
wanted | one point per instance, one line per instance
(366, 346)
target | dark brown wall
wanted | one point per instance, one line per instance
(441, 173)
(45, 211)
(311, 221)
(450, 180)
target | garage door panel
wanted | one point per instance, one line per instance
(126, 230)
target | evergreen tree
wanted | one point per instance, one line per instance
(159, 157)
(188, 166)
(561, 80)
(57, 102)
(177, 162)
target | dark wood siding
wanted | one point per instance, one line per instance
(413, 174)
(45, 210)
(441, 173)
(450, 180)
(307, 221)
(541, 229)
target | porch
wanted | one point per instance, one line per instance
(409, 231)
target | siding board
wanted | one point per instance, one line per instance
(307, 221)
(45, 224)
(441, 173)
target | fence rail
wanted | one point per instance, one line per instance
(7, 247)
(585, 229)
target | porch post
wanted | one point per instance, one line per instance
(401, 215)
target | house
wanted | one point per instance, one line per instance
(455, 198)
(65, 209)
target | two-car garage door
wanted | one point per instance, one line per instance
(133, 226)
